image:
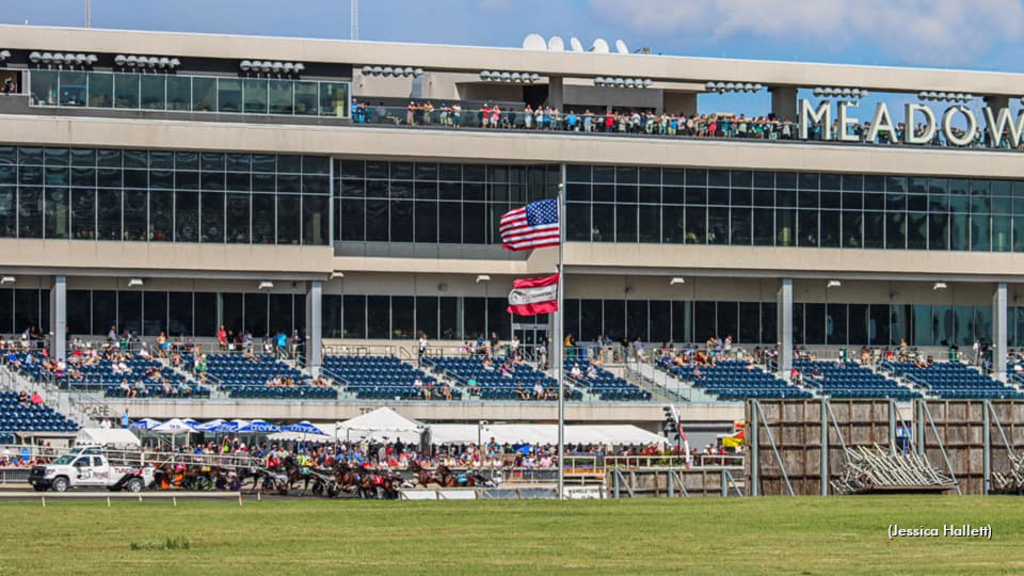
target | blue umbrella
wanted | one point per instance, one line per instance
(303, 427)
(144, 424)
(226, 428)
(258, 427)
(209, 426)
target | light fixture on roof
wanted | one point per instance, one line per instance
(266, 285)
(846, 93)
(7, 280)
(5, 54)
(501, 76)
(337, 274)
(834, 284)
(939, 286)
(35, 57)
(945, 96)
(268, 66)
(483, 278)
(135, 283)
(723, 87)
(676, 281)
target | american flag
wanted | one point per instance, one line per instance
(535, 226)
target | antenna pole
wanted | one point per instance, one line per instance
(88, 13)
(354, 17)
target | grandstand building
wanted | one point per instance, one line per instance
(176, 183)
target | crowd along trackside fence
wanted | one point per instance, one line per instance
(821, 447)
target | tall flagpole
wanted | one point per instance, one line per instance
(559, 344)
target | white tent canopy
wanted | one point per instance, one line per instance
(174, 426)
(114, 437)
(380, 424)
(542, 434)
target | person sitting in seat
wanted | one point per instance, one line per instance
(538, 391)
(575, 372)
(446, 391)
(23, 397)
(592, 372)
(520, 393)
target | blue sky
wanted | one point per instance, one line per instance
(960, 33)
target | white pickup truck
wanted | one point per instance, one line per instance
(88, 468)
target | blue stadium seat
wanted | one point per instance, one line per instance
(731, 380)
(382, 378)
(851, 380)
(952, 380)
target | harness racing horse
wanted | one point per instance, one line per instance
(380, 485)
(296, 474)
(467, 479)
(347, 478)
(425, 477)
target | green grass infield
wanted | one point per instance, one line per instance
(839, 535)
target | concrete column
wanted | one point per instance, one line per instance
(1000, 324)
(784, 325)
(59, 318)
(997, 103)
(676, 103)
(784, 104)
(314, 326)
(556, 92)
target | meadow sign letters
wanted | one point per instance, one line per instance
(1000, 127)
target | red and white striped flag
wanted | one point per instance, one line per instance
(534, 296)
(534, 226)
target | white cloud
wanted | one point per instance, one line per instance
(936, 32)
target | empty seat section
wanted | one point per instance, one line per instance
(491, 383)
(24, 417)
(951, 380)
(254, 378)
(604, 384)
(734, 380)
(383, 378)
(851, 380)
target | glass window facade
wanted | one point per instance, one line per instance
(23, 308)
(162, 92)
(403, 317)
(164, 196)
(750, 208)
(427, 202)
(815, 324)
(186, 314)
(671, 321)
(887, 324)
